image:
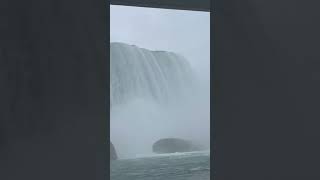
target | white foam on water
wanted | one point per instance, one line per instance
(154, 155)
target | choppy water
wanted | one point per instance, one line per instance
(178, 166)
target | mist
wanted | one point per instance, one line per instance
(140, 121)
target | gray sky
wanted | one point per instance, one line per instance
(183, 32)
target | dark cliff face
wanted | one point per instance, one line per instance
(172, 145)
(113, 152)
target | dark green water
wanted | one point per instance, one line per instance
(182, 166)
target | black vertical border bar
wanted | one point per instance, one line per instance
(107, 122)
(213, 90)
(52, 89)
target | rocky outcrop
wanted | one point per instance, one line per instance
(172, 145)
(113, 153)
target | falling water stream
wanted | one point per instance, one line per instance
(154, 95)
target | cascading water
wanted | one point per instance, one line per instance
(154, 95)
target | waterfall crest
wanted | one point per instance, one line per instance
(141, 73)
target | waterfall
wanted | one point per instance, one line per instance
(154, 94)
(157, 75)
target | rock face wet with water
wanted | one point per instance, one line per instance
(172, 145)
(113, 153)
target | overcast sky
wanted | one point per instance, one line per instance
(183, 32)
